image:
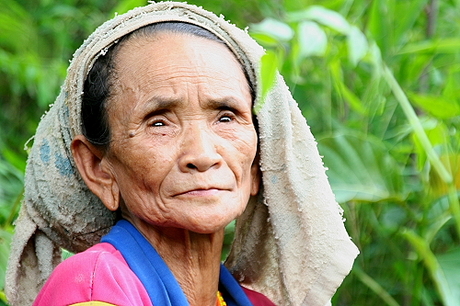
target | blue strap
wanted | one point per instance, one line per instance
(231, 290)
(159, 282)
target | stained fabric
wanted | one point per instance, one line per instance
(290, 243)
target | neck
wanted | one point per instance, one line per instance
(193, 258)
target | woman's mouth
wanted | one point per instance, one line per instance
(202, 192)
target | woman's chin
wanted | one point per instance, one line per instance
(208, 228)
(209, 225)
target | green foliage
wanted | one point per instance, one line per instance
(373, 174)
(379, 83)
(37, 39)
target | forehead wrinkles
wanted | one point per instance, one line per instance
(140, 41)
(198, 67)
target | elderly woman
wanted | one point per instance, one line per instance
(153, 145)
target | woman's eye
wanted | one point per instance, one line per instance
(226, 118)
(157, 123)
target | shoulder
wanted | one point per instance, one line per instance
(98, 274)
(257, 299)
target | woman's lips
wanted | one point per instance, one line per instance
(201, 192)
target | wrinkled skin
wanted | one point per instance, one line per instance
(183, 138)
(181, 162)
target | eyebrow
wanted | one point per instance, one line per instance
(226, 103)
(159, 103)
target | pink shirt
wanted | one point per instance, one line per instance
(101, 274)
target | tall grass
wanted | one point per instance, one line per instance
(379, 84)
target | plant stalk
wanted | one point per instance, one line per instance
(375, 286)
(419, 131)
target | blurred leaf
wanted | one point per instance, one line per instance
(3, 301)
(342, 90)
(450, 295)
(66, 254)
(452, 88)
(17, 31)
(435, 105)
(11, 188)
(312, 39)
(437, 135)
(273, 28)
(268, 70)
(228, 239)
(375, 56)
(126, 5)
(452, 164)
(65, 11)
(445, 45)
(393, 217)
(265, 40)
(361, 169)
(404, 23)
(379, 24)
(374, 286)
(16, 161)
(11, 181)
(357, 45)
(321, 15)
(5, 241)
(449, 263)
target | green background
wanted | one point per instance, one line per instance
(378, 81)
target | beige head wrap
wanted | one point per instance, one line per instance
(290, 244)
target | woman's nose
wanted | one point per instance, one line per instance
(199, 150)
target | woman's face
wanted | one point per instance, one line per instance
(183, 137)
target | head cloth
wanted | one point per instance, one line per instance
(290, 244)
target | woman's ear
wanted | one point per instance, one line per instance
(256, 176)
(95, 172)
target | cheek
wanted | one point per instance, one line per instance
(246, 145)
(242, 160)
(139, 171)
(140, 155)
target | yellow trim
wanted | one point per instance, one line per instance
(93, 303)
(220, 299)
